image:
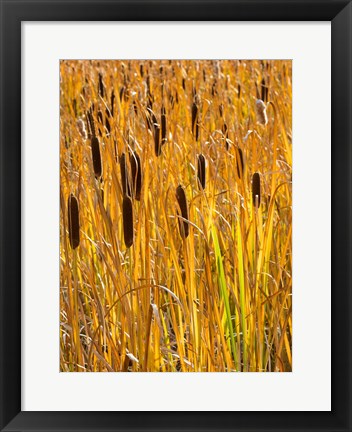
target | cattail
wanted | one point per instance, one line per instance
(201, 171)
(261, 112)
(183, 83)
(256, 189)
(124, 175)
(194, 114)
(101, 87)
(214, 91)
(195, 119)
(141, 70)
(257, 94)
(163, 125)
(225, 130)
(135, 107)
(148, 89)
(112, 103)
(90, 123)
(225, 133)
(221, 110)
(182, 202)
(82, 128)
(73, 221)
(100, 121)
(171, 100)
(96, 157)
(238, 91)
(127, 217)
(239, 162)
(157, 145)
(265, 91)
(135, 163)
(151, 119)
(74, 105)
(122, 92)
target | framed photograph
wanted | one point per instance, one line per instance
(175, 219)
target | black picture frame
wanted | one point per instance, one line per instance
(13, 12)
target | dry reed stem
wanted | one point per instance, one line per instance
(124, 175)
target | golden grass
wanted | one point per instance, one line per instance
(167, 277)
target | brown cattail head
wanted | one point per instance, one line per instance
(73, 221)
(112, 103)
(256, 189)
(182, 202)
(90, 123)
(127, 216)
(163, 125)
(136, 170)
(239, 162)
(225, 132)
(201, 171)
(124, 175)
(261, 112)
(194, 118)
(96, 157)
(101, 87)
(157, 144)
(265, 91)
(214, 91)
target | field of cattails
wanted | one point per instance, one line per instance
(176, 216)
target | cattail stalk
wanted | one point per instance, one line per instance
(73, 221)
(182, 202)
(124, 175)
